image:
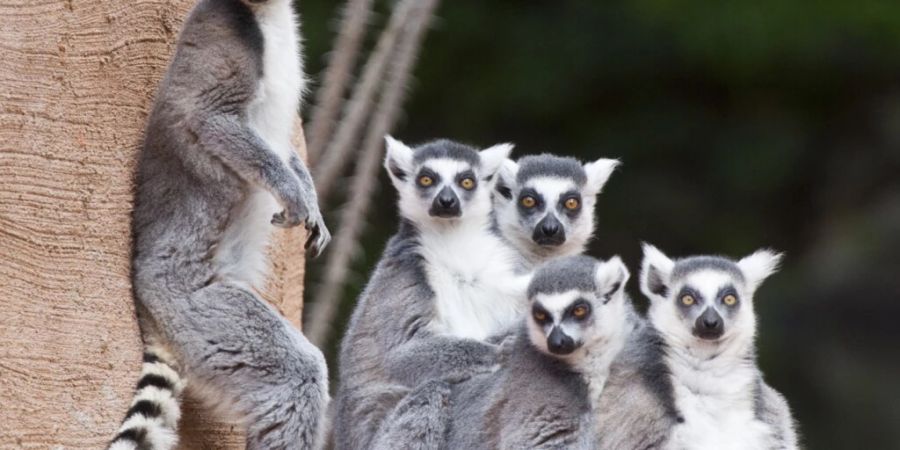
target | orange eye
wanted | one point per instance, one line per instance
(528, 202)
(687, 300)
(425, 181)
(467, 184)
(580, 311)
(572, 203)
(729, 300)
(540, 316)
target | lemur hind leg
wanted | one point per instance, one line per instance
(249, 356)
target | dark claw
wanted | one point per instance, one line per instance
(311, 237)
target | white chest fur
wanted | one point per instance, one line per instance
(472, 274)
(241, 254)
(718, 410)
(276, 104)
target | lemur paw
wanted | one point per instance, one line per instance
(298, 206)
(318, 237)
(287, 219)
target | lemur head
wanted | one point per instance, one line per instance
(576, 302)
(443, 181)
(545, 203)
(704, 300)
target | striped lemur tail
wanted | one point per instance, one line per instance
(152, 420)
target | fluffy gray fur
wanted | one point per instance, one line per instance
(215, 170)
(636, 408)
(538, 399)
(389, 345)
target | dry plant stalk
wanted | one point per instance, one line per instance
(342, 60)
(352, 221)
(331, 162)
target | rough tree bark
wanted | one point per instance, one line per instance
(76, 81)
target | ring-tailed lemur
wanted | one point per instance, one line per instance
(216, 172)
(545, 204)
(544, 394)
(444, 283)
(702, 307)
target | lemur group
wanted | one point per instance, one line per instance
(484, 326)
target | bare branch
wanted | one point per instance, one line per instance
(341, 62)
(323, 310)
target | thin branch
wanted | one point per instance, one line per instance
(331, 162)
(324, 309)
(342, 59)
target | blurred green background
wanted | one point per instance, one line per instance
(741, 124)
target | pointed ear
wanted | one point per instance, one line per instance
(506, 178)
(492, 158)
(758, 266)
(598, 173)
(656, 269)
(611, 277)
(398, 160)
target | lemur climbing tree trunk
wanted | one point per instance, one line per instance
(77, 79)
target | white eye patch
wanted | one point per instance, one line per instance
(447, 168)
(551, 187)
(708, 283)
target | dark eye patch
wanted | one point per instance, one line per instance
(426, 172)
(565, 197)
(698, 299)
(466, 174)
(726, 291)
(569, 313)
(537, 310)
(538, 199)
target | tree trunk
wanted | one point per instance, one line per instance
(77, 79)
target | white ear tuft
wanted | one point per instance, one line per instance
(492, 158)
(398, 160)
(598, 173)
(758, 266)
(611, 277)
(506, 178)
(656, 269)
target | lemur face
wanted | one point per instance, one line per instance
(704, 299)
(545, 203)
(576, 302)
(443, 181)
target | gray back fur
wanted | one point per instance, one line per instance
(637, 406)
